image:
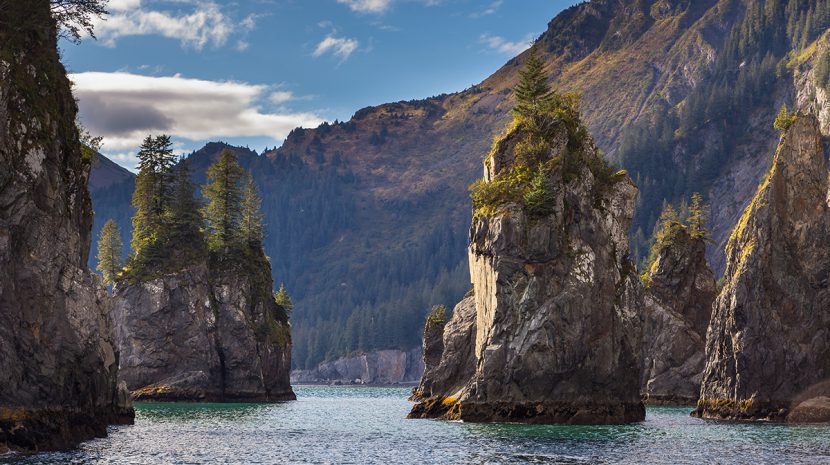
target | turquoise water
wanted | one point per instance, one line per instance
(334, 425)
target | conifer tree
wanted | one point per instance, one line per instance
(152, 192)
(283, 299)
(185, 216)
(252, 229)
(697, 217)
(109, 252)
(785, 119)
(533, 92)
(224, 195)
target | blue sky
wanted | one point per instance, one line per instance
(249, 71)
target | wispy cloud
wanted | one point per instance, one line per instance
(500, 45)
(205, 25)
(367, 6)
(125, 107)
(338, 46)
(488, 10)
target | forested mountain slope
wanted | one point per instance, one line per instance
(367, 219)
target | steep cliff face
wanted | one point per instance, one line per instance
(557, 325)
(58, 360)
(678, 307)
(378, 367)
(447, 372)
(768, 346)
(202, 334)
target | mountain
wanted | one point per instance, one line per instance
(368, 218)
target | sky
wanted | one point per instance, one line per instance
(249, 71)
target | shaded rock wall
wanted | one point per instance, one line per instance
(768, 346)
(203, 335)
(58, 358)
(678, 308)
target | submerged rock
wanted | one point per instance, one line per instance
(204, 335)
(58, 358)
(557, 331)
(768, 347)
(678, 307)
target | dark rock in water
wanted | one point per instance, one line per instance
(204, 335)
(769, 339)
(378, 367)
(448, 373)
(678, 307)
(58, 358)
(557, 335)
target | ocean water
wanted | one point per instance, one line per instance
(363, 425)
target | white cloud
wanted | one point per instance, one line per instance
(125, 107)
(489, 9)
(206, 24)
(337, 46)
(500, 45)
(367, 6)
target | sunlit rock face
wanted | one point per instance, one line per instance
(557, 330)
(678, 307)
(58, 358)
(203, 334)
(768, 345)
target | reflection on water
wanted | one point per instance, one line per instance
(368, 426)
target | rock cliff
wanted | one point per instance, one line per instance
(768, 346)
(205, 333)
(679, 300)
(58, 359)
(378, 367)
(557, 332)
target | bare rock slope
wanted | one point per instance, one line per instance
(58, 358)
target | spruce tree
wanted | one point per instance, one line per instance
(283, 299)
(533, 92)
(152, 195)
(224, 195)
(185, 214)
(109, 252)
(697, 217)
(785, 119)
(252, 229)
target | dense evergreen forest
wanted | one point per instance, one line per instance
(762, 48)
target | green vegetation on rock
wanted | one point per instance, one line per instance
(785, 119)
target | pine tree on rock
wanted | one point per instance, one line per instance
(252, 228)
(283, 299)
(152, 196)
(697, 217)
(533, 93)
(109, 252)
(224, 195)
(185, 213)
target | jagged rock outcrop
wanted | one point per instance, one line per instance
(205, 333)
(448, 371)
(58, 360)
(768, 346)
(679, 300)
(557, 335)
(378, 367)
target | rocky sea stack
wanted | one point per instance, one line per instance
(556, 333)
(768, 347)
(58, 358)
(209, 332)
(680, 291)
